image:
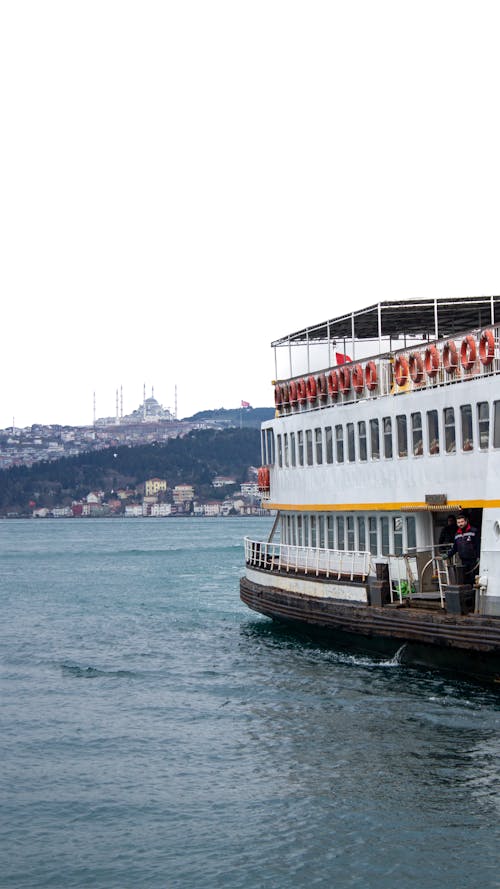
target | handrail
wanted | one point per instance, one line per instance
(308, 560)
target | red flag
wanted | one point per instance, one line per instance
(245, 404)
(341, 358)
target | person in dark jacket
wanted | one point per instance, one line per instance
(447, 535)
(467, 545)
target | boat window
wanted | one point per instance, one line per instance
(293, 455)
(350, 533)
(362, 440)
(483, 420)
(496, 425)
(269, 457)
(285, 447)
(339, 442)
(387, 421)
(466, 418)
(351, 453)
(361, 534)
(340, 532)
(397, 534)
(331, 540)
(309, 447)
(300, 446)
(319, 446)
(433, 432)
(374, 440)
(300, 531)
(416, 432)
(411, 532)
(384, 529)
(372, 530)
(294, 532)
(263, 455)
(329, 444)
(449, 430)
(321, 531)
(280, 451)
(305, 523)
(288, 529)
(312, 522)
(402, 433)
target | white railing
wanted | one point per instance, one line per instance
(312, 561)
(386, 384)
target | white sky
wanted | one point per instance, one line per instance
(183, 182)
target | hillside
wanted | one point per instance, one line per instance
(193, 459)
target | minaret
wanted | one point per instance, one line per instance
(144, 402)
(121, 402)
(175, 402)
(117, 412)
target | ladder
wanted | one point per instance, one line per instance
(443, 576)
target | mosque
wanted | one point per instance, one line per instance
(150, 411)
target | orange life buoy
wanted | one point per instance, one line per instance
(401, 370)
(431, 361)
(292, 392)
(311, 390)
(416, 367)
(344, 378)
(371, 376)
(277, 395)
(266, 478)
(487, 347)
(301, 391)
(333, 383)
(468, 352)
(285, 395)
(358, 379)
(450, 357)
(322, 388)
(260, 478)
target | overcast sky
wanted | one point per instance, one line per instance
(183, 182)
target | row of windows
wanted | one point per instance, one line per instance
(392, 436)
(380, 535)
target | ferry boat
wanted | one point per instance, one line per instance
(387, 421)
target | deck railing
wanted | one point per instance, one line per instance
(403, 577)
(312, 561)
(386, 383)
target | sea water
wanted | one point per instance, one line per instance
(157, 733)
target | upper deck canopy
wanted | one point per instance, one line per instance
(420, 318)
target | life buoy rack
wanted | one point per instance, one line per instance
(431, 361)
(468, 352)
(344, 379)
(278, 397)
(401, 370)
(371, 379)
(292, 393)
(302, 391)
(450, 357)
(311, 390)
(487, 347)
(358, 378)
(333, 384)
(322, 387)
(416, 368)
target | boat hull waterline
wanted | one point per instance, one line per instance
(468, 644)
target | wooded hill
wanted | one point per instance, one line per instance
(193, 459)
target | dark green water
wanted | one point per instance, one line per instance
(156, 733)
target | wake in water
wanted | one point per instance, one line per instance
(366, 661)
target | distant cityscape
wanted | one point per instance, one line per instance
(150, 422)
